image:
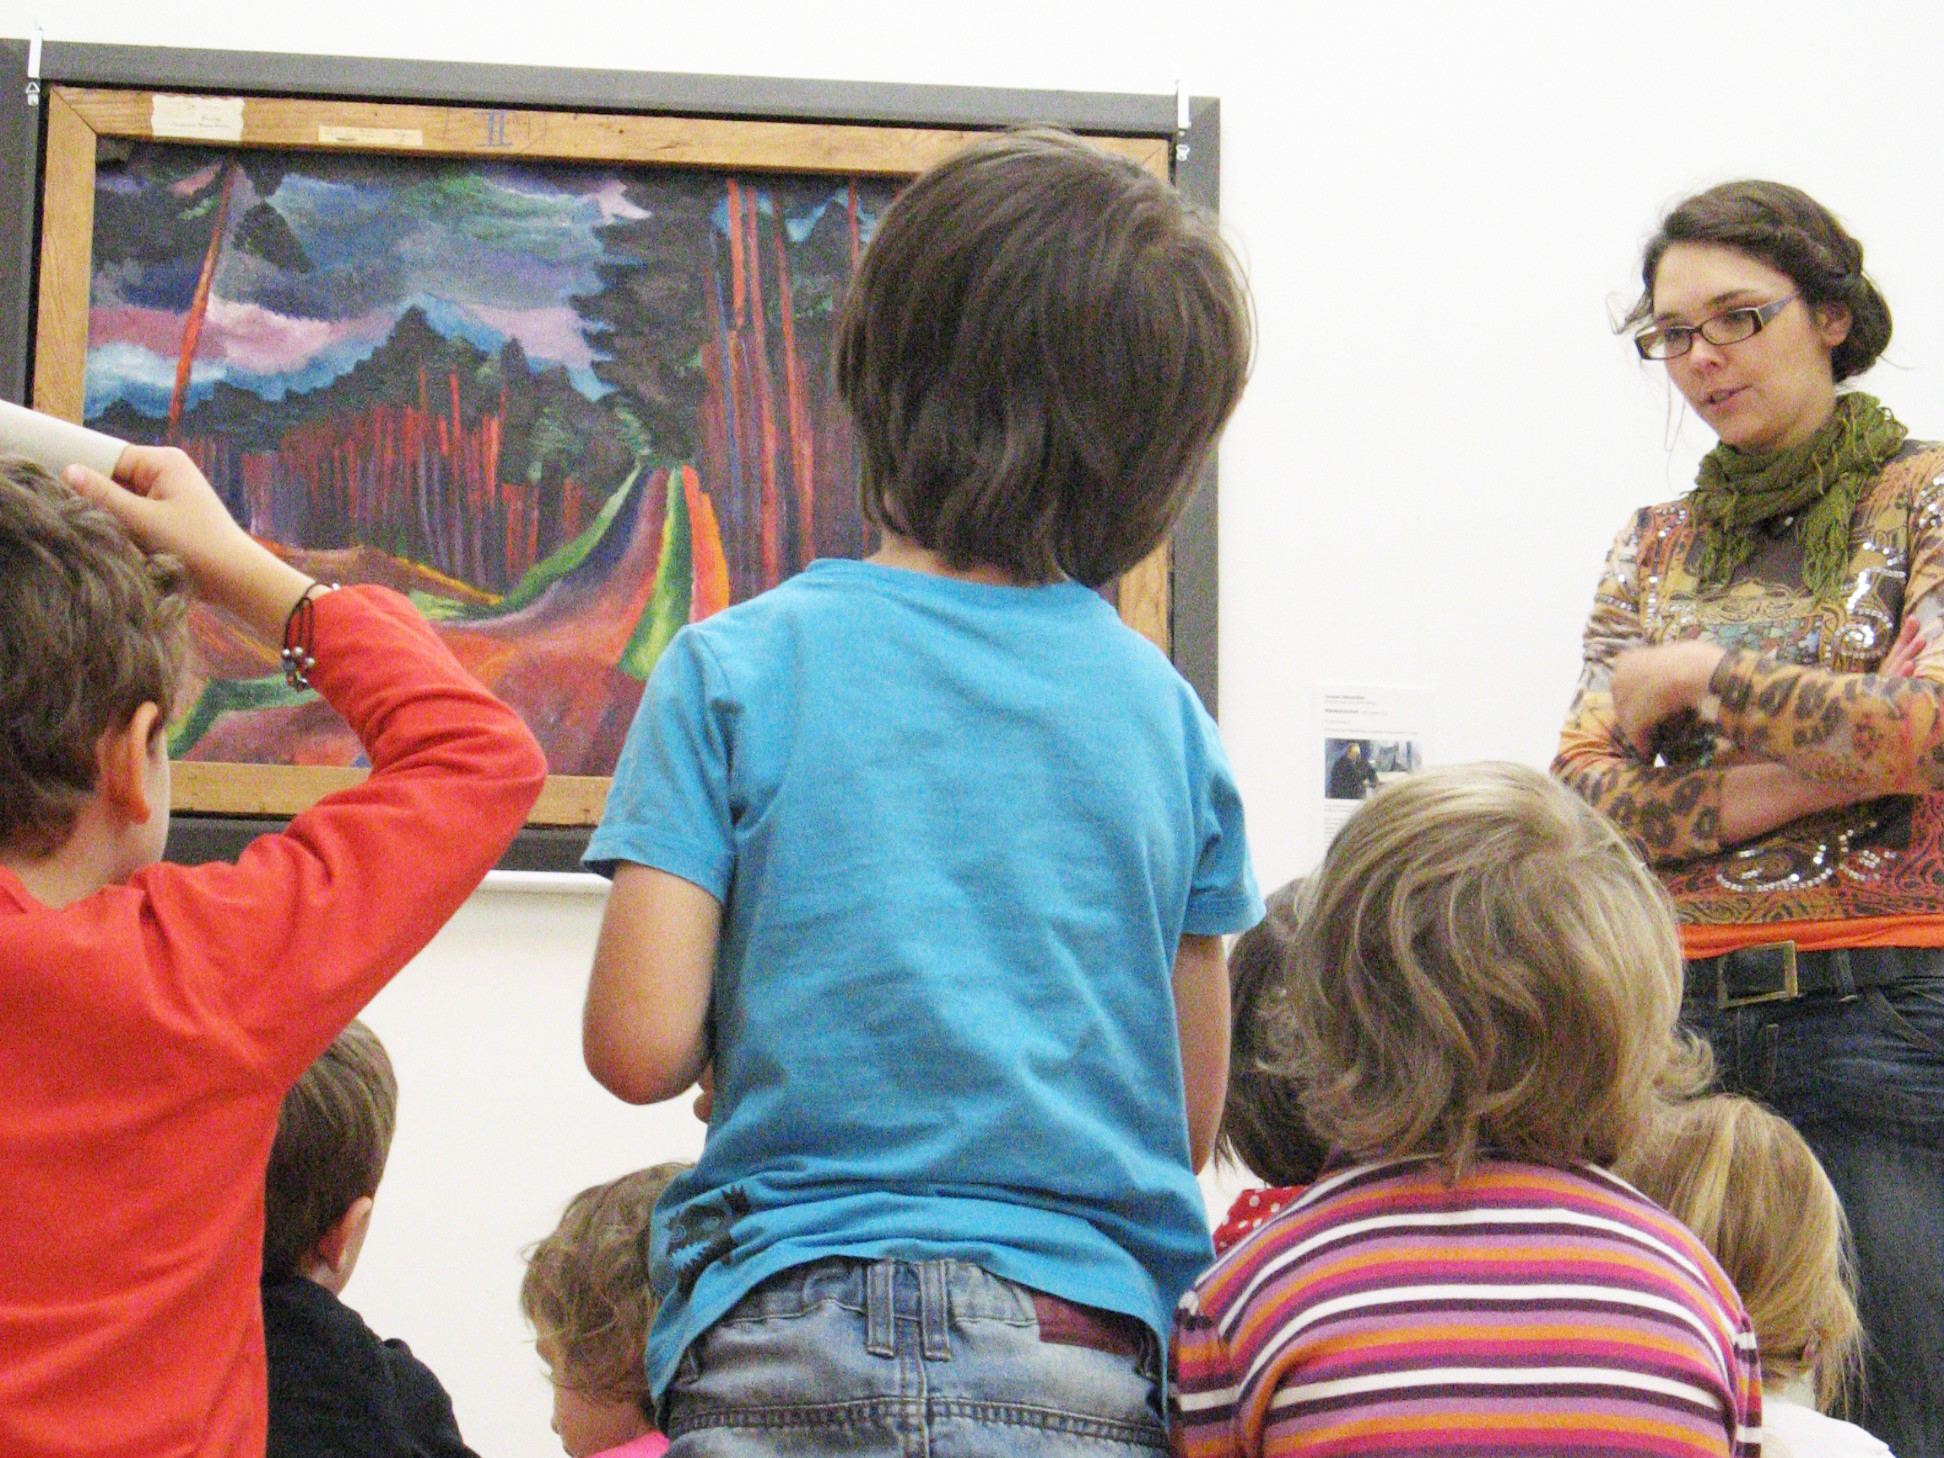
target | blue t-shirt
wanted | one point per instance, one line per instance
(958, 832)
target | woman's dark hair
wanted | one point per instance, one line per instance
(1039, 350)
(1263, 1128)
(1792, 233)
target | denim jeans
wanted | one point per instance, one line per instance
(1863, 1079)
(924, 1359)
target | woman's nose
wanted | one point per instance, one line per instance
(1703, 355)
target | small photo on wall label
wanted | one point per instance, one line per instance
(1372, 736)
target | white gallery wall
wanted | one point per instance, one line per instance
(1441, 207)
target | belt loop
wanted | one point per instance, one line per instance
(1845, 973)
(880, 1323)
(932, 1311)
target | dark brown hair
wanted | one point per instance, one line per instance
(93, 629)
(1485, 967)
(1792, 233)
(334, 1133)
(1039, 350)
(1263, 1128)
(586, 1288)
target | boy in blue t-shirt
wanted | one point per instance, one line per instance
(931, 856)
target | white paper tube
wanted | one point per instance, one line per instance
(54, 444)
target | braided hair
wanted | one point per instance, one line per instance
(1791, 232)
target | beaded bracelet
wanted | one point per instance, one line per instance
(297, 658)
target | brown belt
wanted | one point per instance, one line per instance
(1069, 1324)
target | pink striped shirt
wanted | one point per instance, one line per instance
(1520, 1310)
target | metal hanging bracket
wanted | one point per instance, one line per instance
(33, 66)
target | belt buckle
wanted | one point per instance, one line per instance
(1788, 990)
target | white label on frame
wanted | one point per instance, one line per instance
(370, 137)
(201, 118)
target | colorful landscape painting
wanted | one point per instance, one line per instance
(567, 408)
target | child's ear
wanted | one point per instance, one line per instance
(122, 762)
(336, 1252)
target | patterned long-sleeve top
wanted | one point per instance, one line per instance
(1797, 688)
(1520, 1309)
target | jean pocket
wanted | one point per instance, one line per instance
(1915, 1008)
(1896, 1064)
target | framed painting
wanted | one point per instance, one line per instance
(557, 374)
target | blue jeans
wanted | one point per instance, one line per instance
(1863, 1079)
(919, 1359)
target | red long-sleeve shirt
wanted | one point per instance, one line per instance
(148, 1033)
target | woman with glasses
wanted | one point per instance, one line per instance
(1761, 710)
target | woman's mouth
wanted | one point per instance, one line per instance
(1715, 399)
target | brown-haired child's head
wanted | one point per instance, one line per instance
(1039, 350)
(586, 1294)
(1263, 1128)
(334, 1133)
(1486, 966)
(94, 630)
(1741, 1178)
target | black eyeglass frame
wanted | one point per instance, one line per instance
(1760, 315)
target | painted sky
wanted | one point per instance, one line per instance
(489, 251)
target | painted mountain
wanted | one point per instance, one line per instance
(566, 408)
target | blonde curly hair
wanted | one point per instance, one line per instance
(586, 1291)
(1484, 967)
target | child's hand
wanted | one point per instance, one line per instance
(166, 505)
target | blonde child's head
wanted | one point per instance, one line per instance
(587, 1296)
(1485, 967)
(1742, 1179)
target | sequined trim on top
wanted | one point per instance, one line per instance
(1798, 688)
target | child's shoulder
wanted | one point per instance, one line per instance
(1378, 1225)
(1366, 1200)
(853, 609)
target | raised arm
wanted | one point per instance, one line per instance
(308, 924)
(165, 504)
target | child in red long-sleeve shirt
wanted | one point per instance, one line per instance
(152, 1015)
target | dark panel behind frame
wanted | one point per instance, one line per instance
(1194, 566)
(19, 171)
(1193, 586)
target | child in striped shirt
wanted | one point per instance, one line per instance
(1481, 1013)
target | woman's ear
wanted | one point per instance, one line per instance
(122, 764)
(1832, 324)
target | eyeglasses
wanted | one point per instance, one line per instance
(1731, 326)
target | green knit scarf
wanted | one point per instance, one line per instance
(1736, 491)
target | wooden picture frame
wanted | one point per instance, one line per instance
(78, 117)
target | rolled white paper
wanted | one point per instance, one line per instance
(54, 444)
